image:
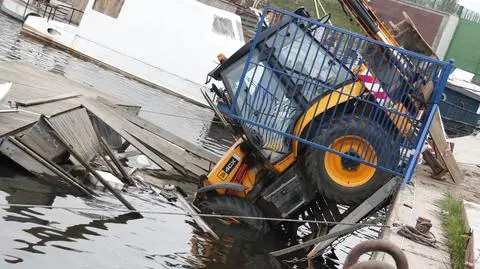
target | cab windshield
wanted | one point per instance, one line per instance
(307, 61)
(290, 60)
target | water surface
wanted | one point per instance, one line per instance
(97, 236)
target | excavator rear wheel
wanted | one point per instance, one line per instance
(234, 206)
(344, 180)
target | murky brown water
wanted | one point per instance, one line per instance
(67, 238)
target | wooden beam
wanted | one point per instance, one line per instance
(357, 214)
(438, 136)
(116, 162)
(176, 157)
(46, 100)
(90, 169)
(161, 132)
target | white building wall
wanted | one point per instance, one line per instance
(446, 36)
(173, 35)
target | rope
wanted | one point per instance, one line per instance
(410, 232)
(188, 214)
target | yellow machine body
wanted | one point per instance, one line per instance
(227, 168)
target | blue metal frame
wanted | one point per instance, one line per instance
(279, 90)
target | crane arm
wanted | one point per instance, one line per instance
(368, 20)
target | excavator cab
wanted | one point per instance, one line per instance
(280, 98)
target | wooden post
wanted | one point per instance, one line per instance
(438, 136)
(115, 161)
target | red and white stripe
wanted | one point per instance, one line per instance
(373, 85)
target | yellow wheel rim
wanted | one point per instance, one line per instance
(346, 172)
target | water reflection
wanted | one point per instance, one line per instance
(232, 252)
(32, 234)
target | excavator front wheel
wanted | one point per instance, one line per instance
(347, 172)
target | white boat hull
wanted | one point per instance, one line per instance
(174, 53)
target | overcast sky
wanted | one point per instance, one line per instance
(471, 4)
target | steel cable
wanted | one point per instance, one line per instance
(188, 214)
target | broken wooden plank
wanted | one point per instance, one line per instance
(90, 169)
(37, 165)
(165, 134)
(438, 136)
(46, 100)
(194, 215)
(116, 123)
(438, 170)
(77, 130)
(358, 214)
(175, 156)
(116, 162)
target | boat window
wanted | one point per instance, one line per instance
(110, 8)
(223, 26)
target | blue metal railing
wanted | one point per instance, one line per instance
(298, 65)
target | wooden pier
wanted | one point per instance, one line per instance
(52, 126)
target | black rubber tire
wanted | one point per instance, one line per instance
(315, 165)
(235, 206)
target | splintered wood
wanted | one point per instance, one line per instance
(437, 133)
(444, 161)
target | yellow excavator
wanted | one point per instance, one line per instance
(319, 114)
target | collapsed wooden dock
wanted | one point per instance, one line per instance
(52, 126)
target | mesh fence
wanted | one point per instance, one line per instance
(364, 101)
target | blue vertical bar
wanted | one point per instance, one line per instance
(249, 57)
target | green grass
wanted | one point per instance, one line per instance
(339, 18)
(455, 227)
